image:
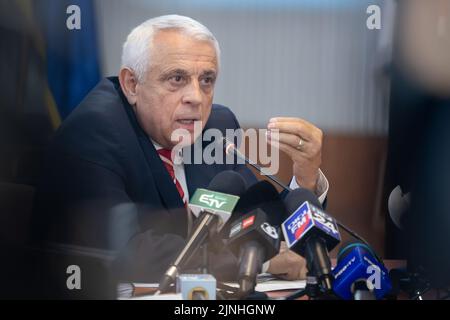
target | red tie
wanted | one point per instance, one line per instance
(165, 155)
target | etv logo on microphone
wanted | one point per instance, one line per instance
(212, 200)
(218, 203)
(209, 200)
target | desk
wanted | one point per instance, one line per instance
(390, 264)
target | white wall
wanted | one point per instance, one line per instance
(316, 63)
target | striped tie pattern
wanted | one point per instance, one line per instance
(165, 155)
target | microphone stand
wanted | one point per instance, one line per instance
(205, 259)
(313, 290)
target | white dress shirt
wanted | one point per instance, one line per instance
(178, 168)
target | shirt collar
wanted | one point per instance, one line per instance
(178, 157)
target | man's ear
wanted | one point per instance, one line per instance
(128, 83)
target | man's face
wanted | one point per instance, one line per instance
(178, 87)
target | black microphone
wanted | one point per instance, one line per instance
(230, 148)
(253, 240)
(213, 208)
(311, 233)
(230, 182)
(265, 196)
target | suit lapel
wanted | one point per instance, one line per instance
(164, 184)
(197, 176)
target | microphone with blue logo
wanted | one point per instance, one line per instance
(312, 233)
(360, 274)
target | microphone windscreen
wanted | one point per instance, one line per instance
(296, 197)
(348, 246)
(229, 182)
(265, 196)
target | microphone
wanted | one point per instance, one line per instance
(212, 210)
(398, 205)
(228, 181)
(311, 233)
(360, 274)
(253, 240)
(262, 195)
(230, 148)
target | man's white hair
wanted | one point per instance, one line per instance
(136, 52)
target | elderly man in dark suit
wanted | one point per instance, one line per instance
(115, 149)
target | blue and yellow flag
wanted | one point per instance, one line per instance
(72, 55)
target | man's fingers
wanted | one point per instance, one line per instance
(303, 152)
(289, 139)
(284, 147)
(290, 119)
(299, 129)
(302, 142)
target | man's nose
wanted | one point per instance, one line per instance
(193, 93)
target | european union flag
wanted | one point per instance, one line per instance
(72, 57)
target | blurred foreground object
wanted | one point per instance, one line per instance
(425, 43)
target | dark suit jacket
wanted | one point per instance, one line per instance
(101, 158)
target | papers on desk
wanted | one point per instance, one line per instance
(267, 282)
(171, 296)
